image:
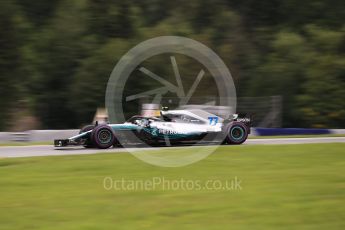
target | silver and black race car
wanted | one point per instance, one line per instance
(172, 127)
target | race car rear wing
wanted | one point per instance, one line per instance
(241, 117)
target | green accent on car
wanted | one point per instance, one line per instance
(235, 128)
(124, 127)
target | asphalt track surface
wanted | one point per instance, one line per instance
(47, 150)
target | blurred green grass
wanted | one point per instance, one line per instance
(283, 187)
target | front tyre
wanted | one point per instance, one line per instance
(103, 136)
(236, 133)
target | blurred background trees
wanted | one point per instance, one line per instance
(57, 55)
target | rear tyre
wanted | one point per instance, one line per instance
(236, 133)
(102, 136)
(88, 142)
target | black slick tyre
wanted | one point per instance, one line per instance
(236, 133)
(103, 136)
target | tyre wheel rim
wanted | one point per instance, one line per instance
(237, 133)
(104, 136)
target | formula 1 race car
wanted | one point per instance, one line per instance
(172, 126)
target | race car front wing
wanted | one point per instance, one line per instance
(64, 142)
(72, 141)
